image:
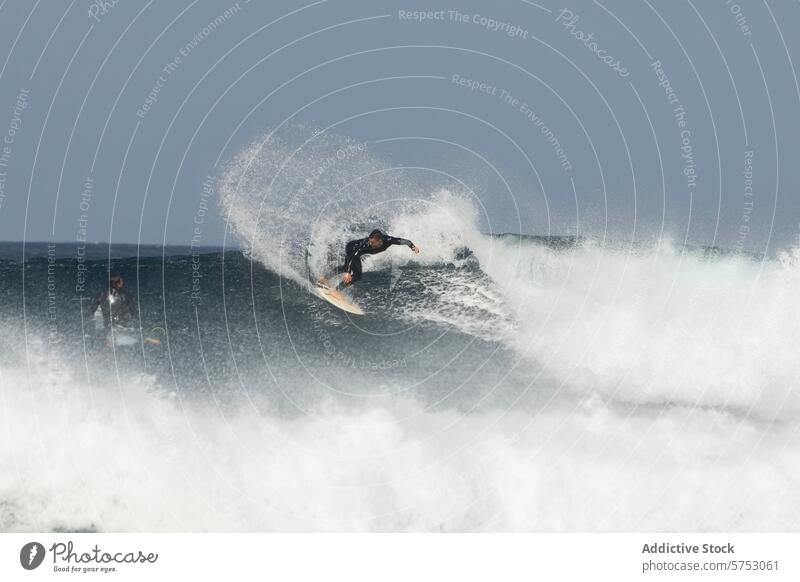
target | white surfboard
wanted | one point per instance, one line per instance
(337, 299)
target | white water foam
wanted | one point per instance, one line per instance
(123, 457)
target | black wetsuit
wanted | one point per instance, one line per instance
(117, 305)
(356, 249)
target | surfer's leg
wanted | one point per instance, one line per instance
(349, 250)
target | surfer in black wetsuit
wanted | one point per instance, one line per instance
(117, 305)
(376, 242)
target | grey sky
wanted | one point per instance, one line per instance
(83, 72)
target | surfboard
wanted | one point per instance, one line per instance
(329, 294)
(337, 299)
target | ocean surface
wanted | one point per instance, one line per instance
(496, 382)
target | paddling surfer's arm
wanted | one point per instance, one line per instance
(101, 301)
(92, 307)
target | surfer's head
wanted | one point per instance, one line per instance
(375, 238)
(115, 281)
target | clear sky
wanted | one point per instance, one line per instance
(621, 118)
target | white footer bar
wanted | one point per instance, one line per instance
(390, 557)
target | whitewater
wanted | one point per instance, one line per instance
(497, 382)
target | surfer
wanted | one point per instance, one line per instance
(375, 243)
(117, 305)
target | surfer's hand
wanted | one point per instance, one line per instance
(346, 278)
(415, 248)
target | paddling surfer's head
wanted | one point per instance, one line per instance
(375, 239)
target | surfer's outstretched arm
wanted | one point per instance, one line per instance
(393, 240)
